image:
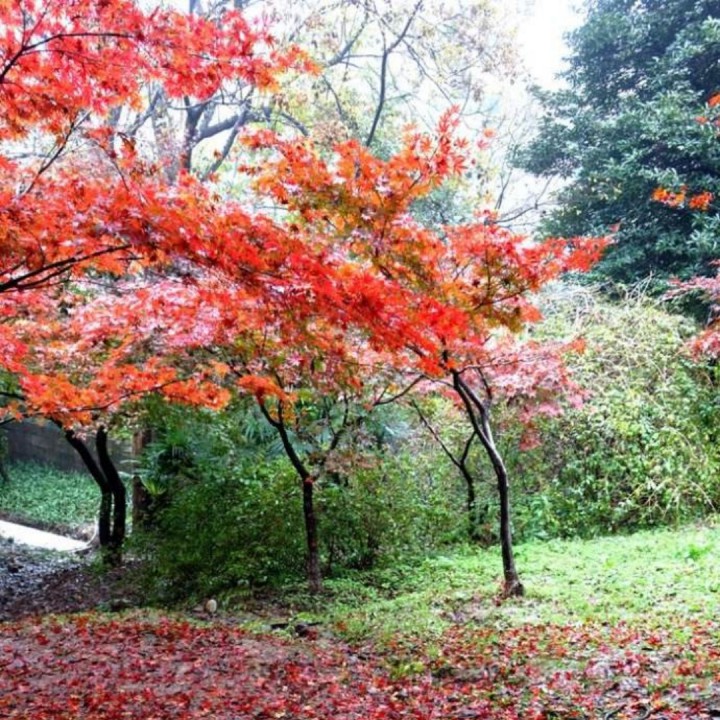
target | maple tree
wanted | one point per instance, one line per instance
(209, 296)
(707, 341)
(92, 58)
(80, 205)
(443, 306)
(366, 287)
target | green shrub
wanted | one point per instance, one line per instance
(227, 530)
(229, 509)
(644, 450)
(391, 510)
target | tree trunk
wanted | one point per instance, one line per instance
(3, 472)
(119, 498)
(113, 500)
(105, 511)
(473, 530)
(311, 532)
(513, 586)
(142, 505)
(314, 573)
(478, 413)
(105, 518)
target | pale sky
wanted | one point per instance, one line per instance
(541, 37)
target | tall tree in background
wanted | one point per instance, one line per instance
(640, 75)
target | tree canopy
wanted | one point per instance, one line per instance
(124, 280)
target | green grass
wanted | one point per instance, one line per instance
(44, 495)
(650, 578)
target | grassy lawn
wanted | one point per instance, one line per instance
(41, 495)
(651, 578)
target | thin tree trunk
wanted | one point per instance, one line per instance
(3, 472)
(105, 511)
(512, 586)
(473, 530)
(311, 532)
(314, 573)
(142, 500)
(461, 463)
(119, 497)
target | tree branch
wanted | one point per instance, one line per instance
(383, 73)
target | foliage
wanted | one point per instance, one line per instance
(643, 450)
(707, 343)
(41, 494)
(228, 517)
(384, 64)
(335, 295)
(704, 207)
(230, 530)
(640, 76)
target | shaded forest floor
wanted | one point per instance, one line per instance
(617, 628)
(40, 582)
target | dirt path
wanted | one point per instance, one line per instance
(36, 582)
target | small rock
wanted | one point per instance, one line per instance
(211, 606)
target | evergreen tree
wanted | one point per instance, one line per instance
(630, 120)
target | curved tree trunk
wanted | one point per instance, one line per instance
(113, 497)
(478, 414)
(105, 511)
(314, 573)
(512, 585)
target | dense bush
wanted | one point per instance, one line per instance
(228, 512)
(645, 449)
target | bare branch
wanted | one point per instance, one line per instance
(384, 70)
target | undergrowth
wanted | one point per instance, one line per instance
(39, 494)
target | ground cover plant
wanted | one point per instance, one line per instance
(40, 495)
(651, 577)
